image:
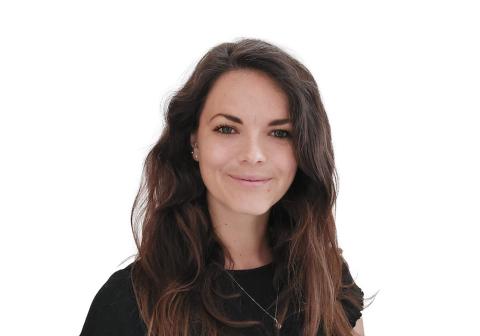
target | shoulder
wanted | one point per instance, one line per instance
(117, 287)
(114, 310)
(351, 297)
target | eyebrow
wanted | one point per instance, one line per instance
(237, 120)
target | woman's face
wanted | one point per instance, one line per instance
(250, 141)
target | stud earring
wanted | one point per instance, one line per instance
(195, 155)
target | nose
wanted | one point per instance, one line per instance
(252, 151)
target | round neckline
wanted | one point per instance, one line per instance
(250, 269)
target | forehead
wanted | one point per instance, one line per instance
(246, 93)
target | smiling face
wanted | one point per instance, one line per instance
(244, 134)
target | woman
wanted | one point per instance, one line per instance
(233, 220)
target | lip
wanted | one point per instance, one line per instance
(250, 180)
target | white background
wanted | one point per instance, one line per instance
(83, 86)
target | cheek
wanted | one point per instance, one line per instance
(285, 158)
(289, 167)
(292, 170)
(213, 161)
(217, 157)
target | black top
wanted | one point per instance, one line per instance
(114, 310)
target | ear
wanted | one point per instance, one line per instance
(193, 138)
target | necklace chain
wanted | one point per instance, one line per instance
(277, 325)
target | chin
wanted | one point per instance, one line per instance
(252, 210)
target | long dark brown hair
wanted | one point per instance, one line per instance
(180, 256)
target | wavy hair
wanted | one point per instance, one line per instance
(180, 256)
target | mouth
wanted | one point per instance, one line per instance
(250, 181)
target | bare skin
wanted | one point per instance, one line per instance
(240, 212)
(358, 330)
(240, 209)
(244, 237)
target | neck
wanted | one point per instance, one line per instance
(244, 236)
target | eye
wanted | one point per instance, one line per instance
(227, 130)
(223, 127)
(286, 134)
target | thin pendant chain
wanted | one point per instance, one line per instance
(277, 325)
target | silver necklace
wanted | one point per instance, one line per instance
(277, 325)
